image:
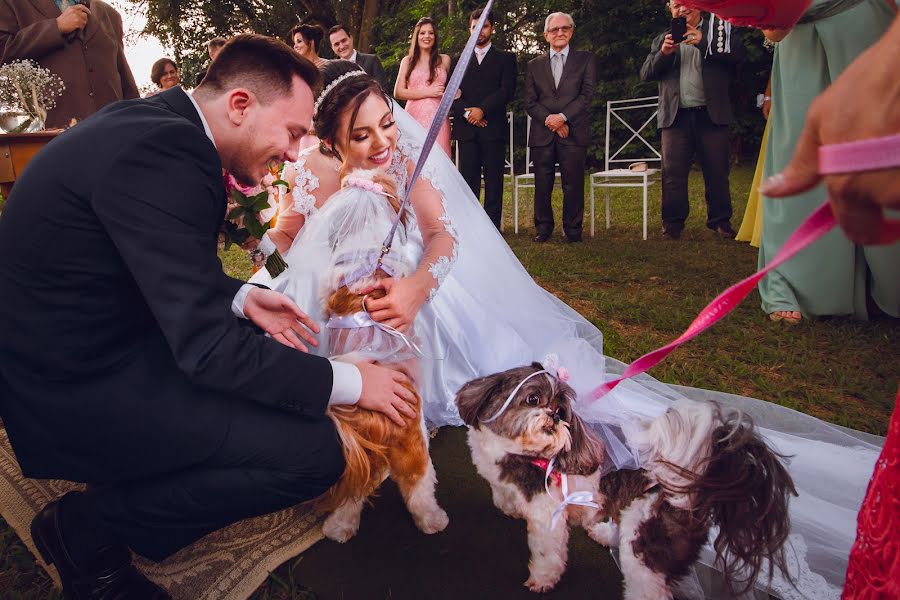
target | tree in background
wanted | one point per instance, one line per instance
(618, 31)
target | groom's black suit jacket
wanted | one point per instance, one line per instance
(119, 354)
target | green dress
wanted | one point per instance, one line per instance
(829, 277)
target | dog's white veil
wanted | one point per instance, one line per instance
(489, 315)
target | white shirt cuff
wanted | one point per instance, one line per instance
(346, 386)
(564, 118)
(237, 305)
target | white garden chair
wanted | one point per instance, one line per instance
(611, 176)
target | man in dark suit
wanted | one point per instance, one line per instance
(558, 91)
(694, 116)
(342, 44)
(213, 47)
(81, 43)
(124, 362)
(479, 117)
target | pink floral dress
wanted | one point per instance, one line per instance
(423, 110)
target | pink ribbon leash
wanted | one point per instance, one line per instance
(852, 157)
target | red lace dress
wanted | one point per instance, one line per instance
(874, 569)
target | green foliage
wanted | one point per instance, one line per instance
(619, 33)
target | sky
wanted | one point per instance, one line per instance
(141, 51)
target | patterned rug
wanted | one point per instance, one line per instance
(225, 565)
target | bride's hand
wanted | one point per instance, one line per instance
(278, 316)
(398, 309)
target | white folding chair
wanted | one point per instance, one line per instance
(611, 176)
(526, 179)
(508, 166)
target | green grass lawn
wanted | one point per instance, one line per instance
(641, 294)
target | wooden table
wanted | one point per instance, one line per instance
(16, 149)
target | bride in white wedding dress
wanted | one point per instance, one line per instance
(477, 311)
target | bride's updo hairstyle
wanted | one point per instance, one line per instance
(346, 95)
(343, 92)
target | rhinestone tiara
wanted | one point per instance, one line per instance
(333, 85)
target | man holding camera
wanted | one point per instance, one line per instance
(78, 40)
(693, 64)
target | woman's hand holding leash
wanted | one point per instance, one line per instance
(397, 309)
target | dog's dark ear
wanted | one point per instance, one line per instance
(475, 395)
(587, 452)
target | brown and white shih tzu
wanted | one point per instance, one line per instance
(519, 421)
(702, 469)
(374, 446)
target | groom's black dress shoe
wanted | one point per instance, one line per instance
(110, 576)
(541, 238)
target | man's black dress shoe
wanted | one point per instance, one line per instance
(671, 234)
(110, 575)
(725, 230)
(541, 238)
(573, 239)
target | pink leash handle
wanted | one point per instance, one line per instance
(864, 155)
(851, 157)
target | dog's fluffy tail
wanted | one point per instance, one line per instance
(745, 489)
(364, 456)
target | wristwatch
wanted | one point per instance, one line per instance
(762, 99)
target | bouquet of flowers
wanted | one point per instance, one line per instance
(29, 89)
(252, 211)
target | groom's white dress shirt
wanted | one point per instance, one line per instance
(346, 386)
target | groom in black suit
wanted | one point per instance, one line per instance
(558, 91)
(479, 117)
(125, 362)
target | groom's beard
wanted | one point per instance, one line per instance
(243, 164)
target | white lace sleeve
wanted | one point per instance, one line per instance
(305, 183)
(441, 238)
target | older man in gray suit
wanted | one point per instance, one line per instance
(559, 86)
(695, 115)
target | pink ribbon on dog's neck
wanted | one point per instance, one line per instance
(852, 157)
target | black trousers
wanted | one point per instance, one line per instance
(571, 161)
(477, 156)
(269, 460)
(693, 133)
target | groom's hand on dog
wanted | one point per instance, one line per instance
(277, 315)
(386, 391)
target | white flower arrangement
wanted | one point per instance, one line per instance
(29, 88)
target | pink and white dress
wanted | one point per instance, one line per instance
(423, 110)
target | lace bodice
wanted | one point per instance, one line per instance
(305, 183)
(418, 77)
